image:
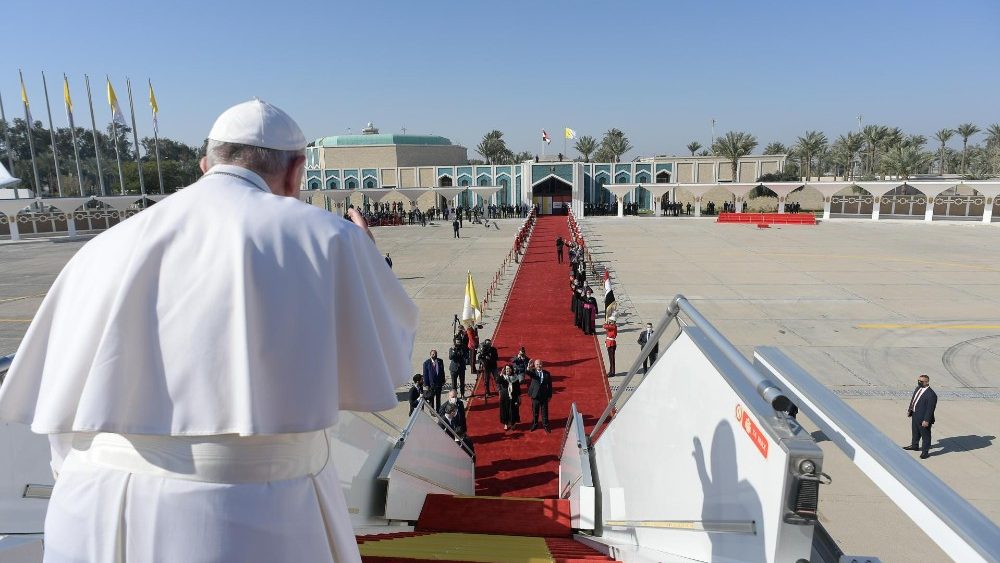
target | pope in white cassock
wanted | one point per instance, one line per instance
(187, 363)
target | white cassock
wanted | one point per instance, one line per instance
(188, 362)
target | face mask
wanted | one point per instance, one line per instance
(453, 400)
(921, 383)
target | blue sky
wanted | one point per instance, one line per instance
(660, 71)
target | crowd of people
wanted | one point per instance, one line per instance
(394, 213)
(468, 356)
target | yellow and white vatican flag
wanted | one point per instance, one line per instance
(569, 133)
(116, 111)
(470, 311)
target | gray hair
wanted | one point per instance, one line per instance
(265, 162)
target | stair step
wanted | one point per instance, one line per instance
(511, 516)
(417, 547)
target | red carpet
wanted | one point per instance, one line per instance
(537, 316)
(486, 515)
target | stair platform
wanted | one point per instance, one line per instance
(510, 516)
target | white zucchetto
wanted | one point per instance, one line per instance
(258, 124)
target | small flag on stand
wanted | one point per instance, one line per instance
(569, 133)
(545, 137)
(470, 311)
(610, 305)
(116, 111)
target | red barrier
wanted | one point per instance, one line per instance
(768, 218)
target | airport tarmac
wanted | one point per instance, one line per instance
(865, 307)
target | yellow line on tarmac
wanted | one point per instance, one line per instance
(9, 299)
(930, 326)
(978, 267)
(15, 320)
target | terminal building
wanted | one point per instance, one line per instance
(376, 161)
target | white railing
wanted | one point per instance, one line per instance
(575, 480)
(961, 531)
(428, 458)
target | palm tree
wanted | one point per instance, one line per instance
(874, 136)
(903, 161)
(775, 147)
(693, 146)
(812, 144)
(586, 145)
(942, 136)
(993, 145)
(615, 144)
(734, 146)
(493, 148)
(965, 131)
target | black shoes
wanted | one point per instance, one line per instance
(533, 427)
(547, 429)
(911, 448)
(925, 455)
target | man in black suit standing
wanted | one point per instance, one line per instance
(434, 378)
(540, 391)
(645, 337)
(488, 358)
(921, 413)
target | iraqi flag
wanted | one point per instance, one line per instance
(545, 137)
(610, 305)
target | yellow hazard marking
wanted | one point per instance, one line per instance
(15, 320)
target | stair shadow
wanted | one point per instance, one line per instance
(513, 464)
(494, 486)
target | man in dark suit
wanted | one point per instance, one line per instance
(488, 358)
(434, 378)
(540, 391)
(645, 337)
(921, 413)
(459, 404)
(416, 391)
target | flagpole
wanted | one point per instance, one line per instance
(114, 139)
(156, 136)
(52, 135)
(97, 144)
(10, 149)
(135, 137)
(72, 132)
(31, 141)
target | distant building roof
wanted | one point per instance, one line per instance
(380, 139)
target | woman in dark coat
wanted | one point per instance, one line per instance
(509, 387)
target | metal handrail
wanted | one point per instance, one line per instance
(575, 420)
(765, 388)
(842, 425)
(421, 405)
